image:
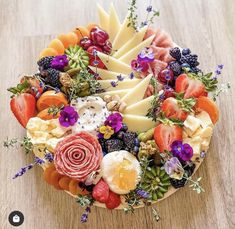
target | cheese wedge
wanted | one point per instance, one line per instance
(137, 93)
(103, 18)
(120, 93)
(140, 108)
(138, 123)
(133, 42)
(106, 74)
(124, 34)
(125, 84)
(114, 23)
(114, 65)
(133, 53)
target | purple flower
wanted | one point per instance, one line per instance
(84, 217)
(68, 116)
(115, 121)
(95, 62)
(139, 66)
(174, 168)
(23, 171)
(113, 83)
(49, 157)
(39, 161)
(149, 9)
(203, 154)
(146, 55)
(220, 66)
(142, 193)
(59, 62)
(131, 76)
(120, 77)
(182, 151)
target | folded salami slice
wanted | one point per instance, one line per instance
(77, 155)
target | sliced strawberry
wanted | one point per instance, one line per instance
(113, 200)
(172, 109)
(101, 191)
(166, 134)
(191, 87)
(23, 107)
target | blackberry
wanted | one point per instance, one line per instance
(175, 67)
(192, 60)
(129, 139)
(124, 127)
(175, 53)
(45, 62)
(178, 183)
(113, 145)
(186, 51)
(102, 143)
(189, 169)
(53, 78)
(120, 135)
(183, 60)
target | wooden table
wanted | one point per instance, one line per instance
(207, 27)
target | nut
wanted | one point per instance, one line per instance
(113, 106)
(122, 107)
(115, 98)
(107, 98)
(65, 79)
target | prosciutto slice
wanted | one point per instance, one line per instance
(78, 155)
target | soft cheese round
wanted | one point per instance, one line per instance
(92, 113)
(121, 170)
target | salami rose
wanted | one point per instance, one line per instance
(78, 155)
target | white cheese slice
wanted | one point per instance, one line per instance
(114, 65)
(125, 84)
(133, 42)
(120, 93)
(133, 53)
(205, 119)
(191, 124)
(124, 34)
(140, 108)
(137, 93)
(103, 18)
(106, 74)
(138, 123)
(114, 23)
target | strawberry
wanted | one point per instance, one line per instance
(113, 201)
(166, 134)
(172, 109)
(191, 87)
(101, 191)
(23, 107)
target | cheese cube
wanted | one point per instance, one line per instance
(205, 144)
(191, 124)
(205, 119)
(205, 132)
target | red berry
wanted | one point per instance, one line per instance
(86, 42)
(99, 36)
(168, 92)
(107, 48)
(113, 201)
(101, 191)
(165, 76)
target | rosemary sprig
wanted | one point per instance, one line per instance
(223, 88)
(54, 110)
(185, 104)
(85, 200)
(133, 17)
(156, 215)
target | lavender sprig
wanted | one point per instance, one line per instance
(85, 201)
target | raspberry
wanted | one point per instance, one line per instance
(101, 191)
(175, 67)
(129, 140)
(45, 62)
(113, 200)
(113, 145)
(175, 53)
(53, 78)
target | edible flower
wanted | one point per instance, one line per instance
(139, 66)
(182, 151)
(115, 121)
(68, 116)
(107, 131)
(146, 55)
(59, 62)
(174, 168)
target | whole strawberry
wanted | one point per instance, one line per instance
(113, 201)
(101, 192)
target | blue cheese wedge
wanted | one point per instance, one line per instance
(92, 113)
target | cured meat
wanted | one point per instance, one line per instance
(162, 54)
(78, 155)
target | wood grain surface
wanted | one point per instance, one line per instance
(207, 27)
